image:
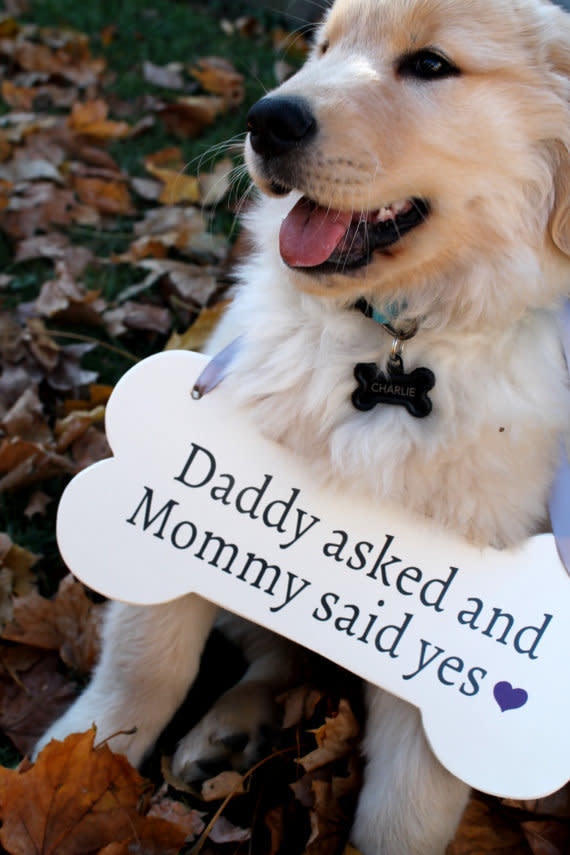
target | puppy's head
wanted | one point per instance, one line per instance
(423, 138)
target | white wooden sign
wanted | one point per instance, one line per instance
(195, 499)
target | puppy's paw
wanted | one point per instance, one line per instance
(235, 734)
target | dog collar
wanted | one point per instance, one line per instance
(387, 318)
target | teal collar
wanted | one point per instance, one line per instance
(387, 317)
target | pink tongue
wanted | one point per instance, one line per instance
(309, 234)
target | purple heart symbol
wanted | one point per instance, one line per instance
(509, 698)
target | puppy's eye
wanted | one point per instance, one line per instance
(426, 65)
(323, 47)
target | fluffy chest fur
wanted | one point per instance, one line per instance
(481, 462)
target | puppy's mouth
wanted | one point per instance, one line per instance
(324, 240)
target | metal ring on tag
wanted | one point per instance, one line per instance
(397, 348)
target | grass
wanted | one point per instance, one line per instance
(162, 31)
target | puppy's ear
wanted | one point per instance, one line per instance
(560, 221)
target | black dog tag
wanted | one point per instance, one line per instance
(393, 387)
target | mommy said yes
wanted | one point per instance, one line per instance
(392, 582)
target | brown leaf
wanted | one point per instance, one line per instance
(32, 694)
(137, 316)
(69, 623)
(74, 425)
(90, 120)
(547, 837)
(23, 462)
(26, 420)
(274, 821)
(187, 117)
(219, 76)
(215, 185)
(76, 800)
(192, 282)
(199, 332)
(335, 738)
(486, 829)
(108, 197)
(223, 831)
(299, 704)
(90, 447)
(19, 562)
(176, 812)
(38, 504)
(556, 804)
(56, 247)
(331, 813)
(222, 785)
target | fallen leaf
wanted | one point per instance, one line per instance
(547, 837)
(218, 75)
(222, 785)
(137, 316)
(168, 76)
(37, 505)
(191, 281)
(64, 297)
(223, 831)
(215, 185)
(108, 197)
(189, 820)
(69, 623)
(75, 424)
(485, 829)
(55, 246)
(90, 447)
(299, 704)
(26, 418)
(199, 332)
(32, 694)
(90, 120)
(187, 117)
(19, 561)
(77, 799)
(556, 804)
(331, 813)
(274, 821)
(335, 738)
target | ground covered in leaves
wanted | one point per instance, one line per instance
(118, 197)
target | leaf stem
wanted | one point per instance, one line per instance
(79, 337)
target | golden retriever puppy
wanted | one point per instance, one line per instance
(414, 182)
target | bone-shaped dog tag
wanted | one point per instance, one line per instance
(393, 387)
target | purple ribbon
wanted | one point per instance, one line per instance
(559, 504)
(217, 368)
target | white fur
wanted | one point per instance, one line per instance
(484, 276)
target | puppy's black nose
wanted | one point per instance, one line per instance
(278, 123)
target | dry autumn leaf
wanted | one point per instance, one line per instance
(335, 738)
(69, 623)
(90, 119)
(224, 784)
(187, 117)
(77, 799)
(330, 815)
(199, 332)
(218, 75)
(485, 830)
(110, 197)
(32, 694)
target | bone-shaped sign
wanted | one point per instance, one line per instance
(196, 499)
